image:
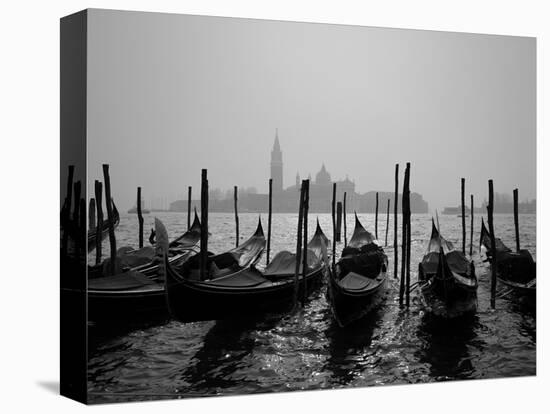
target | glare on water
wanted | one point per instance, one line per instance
(307, 350)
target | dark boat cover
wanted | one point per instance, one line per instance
(245, 278)
(485, 240)
(456, 260)
(517, 267)
(284, 264)
(134, 258)
(367, 260)
(354, 281)
(190, 238)
(123, 281)
(251, 250)
(437, 241)
(359, 238)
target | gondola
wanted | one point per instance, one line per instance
(104, 229)
(134, 295)
(447, 280)
(145, 261)
(517, 271)
(179, 250)
(232, 290)
(359, 281)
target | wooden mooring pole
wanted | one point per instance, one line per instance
(269, 214)
(189, 194)
(462, 185)
(66, 211)
(82, 230)
(76, 211)
(387, 222)
(471, 224)
(344, 212)
(299, 245)
(490, 208)
(235, 202)
(333, 225)
(109, 204)
(140, 217)
(76, 218)
(99, 204)
(395, 204)
(204, 225)
(91, 214)
(404, 239)
(338, 221)
(69, 195)
(408, 270)
(516, 219)
(376, 218)
(304, 244)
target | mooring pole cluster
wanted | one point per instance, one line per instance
(395, 240)
(189, 192)
(204, 225)
(490, 210)
(109, 204)
(299, 243)
(516, 219)
(471, 224)
(344, 212)
(333, 226)
(140, 218)
(99, 204)
(405, 282)
(269, 214)
(235, 203)
(304, 259)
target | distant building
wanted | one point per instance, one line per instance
(503, 204)
(285, 200)
(277, 166)
(320, 192)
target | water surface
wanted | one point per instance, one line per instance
(307, 350)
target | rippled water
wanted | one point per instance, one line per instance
(307, 350)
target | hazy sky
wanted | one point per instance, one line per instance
(171, 94)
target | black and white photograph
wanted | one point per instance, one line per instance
(271, 206)
(256, 206)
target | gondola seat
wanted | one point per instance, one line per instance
(283, 264)
(123, 281)
(354, 281)
(246, 278)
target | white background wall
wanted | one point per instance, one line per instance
(29, 134)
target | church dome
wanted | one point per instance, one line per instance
(323, 177)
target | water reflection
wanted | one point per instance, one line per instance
(444, 346)
(226, 345)
(306, 350)
(350, 347)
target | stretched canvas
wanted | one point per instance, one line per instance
(253, 206)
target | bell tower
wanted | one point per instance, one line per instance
(277, 165)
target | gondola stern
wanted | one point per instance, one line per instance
(196, 226)
(259, 229)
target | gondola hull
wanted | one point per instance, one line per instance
(348, 306)
(520, 288)
(447, 280)
(457, 302)
(517, 273)
(191, 301)
(358, 283)
(131, 305)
